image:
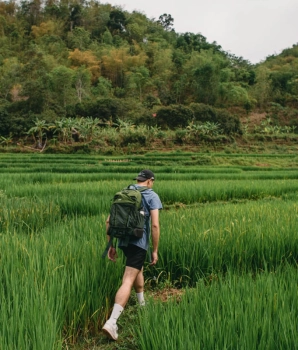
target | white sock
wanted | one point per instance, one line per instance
(141, 299)
(117, 310)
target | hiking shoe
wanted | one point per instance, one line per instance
(110, 330)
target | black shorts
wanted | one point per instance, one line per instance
(135, 256)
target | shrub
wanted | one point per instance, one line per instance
(4, 122)
(103, 109)
(180, 136)
(147, 118)
(174, 116)
(204, 113)
(133, 138)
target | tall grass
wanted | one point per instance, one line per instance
(26, 214)
(230, 312)
(93, 197)
(247, 237)
(54, 284)
(229, 233)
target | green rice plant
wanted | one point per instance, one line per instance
(210, 191)
(30, 175)
(26, 214)
(30, 315)
(157, 159)
(91, 198)
(71, 198)
(220, 226)
(230, 311)
(55, 285)
(251, 236)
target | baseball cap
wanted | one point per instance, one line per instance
(144, 175)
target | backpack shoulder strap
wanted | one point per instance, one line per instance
(140, 189)
(143, 188)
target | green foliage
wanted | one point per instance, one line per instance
(117, 21)
(137, 81)
(103, 88)
(79, 38)
(5, 122)
(61, 79)
(229, 123)
(197, 42)
(9, 76)
(39, 132)
(59, 60)
(173, 116)
(166, 21)
(82, 82)
(107, 37)
(268, 128)
(150, 101)
(207, 128)
(19, 120)
(104, 109)
(6, 140)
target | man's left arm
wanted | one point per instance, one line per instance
(155, 232)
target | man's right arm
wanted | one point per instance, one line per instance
(112, 254)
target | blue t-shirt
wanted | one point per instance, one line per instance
(150, 201)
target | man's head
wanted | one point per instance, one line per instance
(146, 177)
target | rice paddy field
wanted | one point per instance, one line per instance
(228, 248)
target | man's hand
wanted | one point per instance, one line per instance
(112, 254)
(154, 258)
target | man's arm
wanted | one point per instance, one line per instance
(107, 226)
(112, 254)
(155, 231)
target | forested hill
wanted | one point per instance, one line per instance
(88, 59)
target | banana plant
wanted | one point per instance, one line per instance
(125, 125)
(91, 125)
(38, 132)
(207, 128)
(65, 127)
(6, 140)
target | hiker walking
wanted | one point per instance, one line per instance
(135, 250)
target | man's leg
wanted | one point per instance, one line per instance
(139, 282)
(130, 276)
(135, 258)
(122, 296)
(139, 287)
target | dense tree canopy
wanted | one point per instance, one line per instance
(68, 58)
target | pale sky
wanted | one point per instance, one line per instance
(252, 29)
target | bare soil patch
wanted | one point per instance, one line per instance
(262, 164)
(168, 294)
(253, 119)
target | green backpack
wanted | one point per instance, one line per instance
(126, 215)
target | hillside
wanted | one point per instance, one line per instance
(90, 60)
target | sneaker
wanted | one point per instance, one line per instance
(110, 330)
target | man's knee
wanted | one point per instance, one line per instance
(130, 275)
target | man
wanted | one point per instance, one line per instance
(135, 252)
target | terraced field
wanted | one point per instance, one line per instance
(229, 248)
